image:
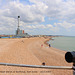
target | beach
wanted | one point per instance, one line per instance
(29, 51)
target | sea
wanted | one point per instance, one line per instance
(63, 43)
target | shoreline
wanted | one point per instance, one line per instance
(48, 38)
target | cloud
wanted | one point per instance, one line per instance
(36, 12)
(29, 13)
(65, 25)
(55, 27)
(58, 9)
(41, 26)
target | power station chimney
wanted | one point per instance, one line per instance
(18, 21)
(18, 30)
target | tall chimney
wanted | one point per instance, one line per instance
(18, 21)
(18, 30)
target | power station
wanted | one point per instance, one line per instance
(20, 33)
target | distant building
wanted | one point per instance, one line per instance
(20, 33)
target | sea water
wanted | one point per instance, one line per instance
(63, 43)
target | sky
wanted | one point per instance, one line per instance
(38, 17)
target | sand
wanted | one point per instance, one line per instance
(29, 51)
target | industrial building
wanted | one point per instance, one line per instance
(20, 33)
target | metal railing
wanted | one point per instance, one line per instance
(38, 66)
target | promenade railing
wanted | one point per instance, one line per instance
(69, 57)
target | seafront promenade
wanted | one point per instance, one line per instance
(29, 51)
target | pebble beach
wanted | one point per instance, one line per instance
(29, 51)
